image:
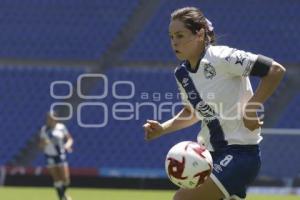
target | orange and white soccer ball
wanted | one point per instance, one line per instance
(188, 164)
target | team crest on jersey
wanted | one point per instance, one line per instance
(209, 71)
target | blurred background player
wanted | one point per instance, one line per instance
(232, 133)
(55, 140)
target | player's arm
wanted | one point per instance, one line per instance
(241, 63)
(185, 118)
(69, 143)
(43, 139)
(269, 82)
(271, 74)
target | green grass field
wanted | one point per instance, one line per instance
(18, 193)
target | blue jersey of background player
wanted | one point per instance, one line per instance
(55, 140)
(216, 89)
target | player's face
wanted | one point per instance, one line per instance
(184, 43)
(50, 121)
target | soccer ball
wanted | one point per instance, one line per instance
(188, 164)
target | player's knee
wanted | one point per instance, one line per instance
(58, 184)
(67, 181)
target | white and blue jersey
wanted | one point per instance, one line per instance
(221, 80)
(218, 89)
(54, 149)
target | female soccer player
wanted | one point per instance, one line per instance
(55, 140)
(214, 81)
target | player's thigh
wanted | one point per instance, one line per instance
(64, 172)
(54, 172)
(208, 191)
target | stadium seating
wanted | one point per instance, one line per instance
(79, 30)
(280, 158)
(291, 114)
(262, 28)
(25, 98)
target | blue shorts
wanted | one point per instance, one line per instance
(236, 168)
(56, 160)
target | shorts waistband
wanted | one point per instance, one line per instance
(251, 147)
(241, 148)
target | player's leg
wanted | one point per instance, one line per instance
(209, 190)
(65, 177)
(57, 182)
(65, 174)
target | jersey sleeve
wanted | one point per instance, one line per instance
(235, 62)
(64, 130)
(43, 134)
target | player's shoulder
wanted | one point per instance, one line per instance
(60, 126)
(217, 51)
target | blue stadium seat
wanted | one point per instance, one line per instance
(61, 29)
(279, 156)
(291, 114)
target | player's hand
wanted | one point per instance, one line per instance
(69, 149)
(153, 129)
(250, 119)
